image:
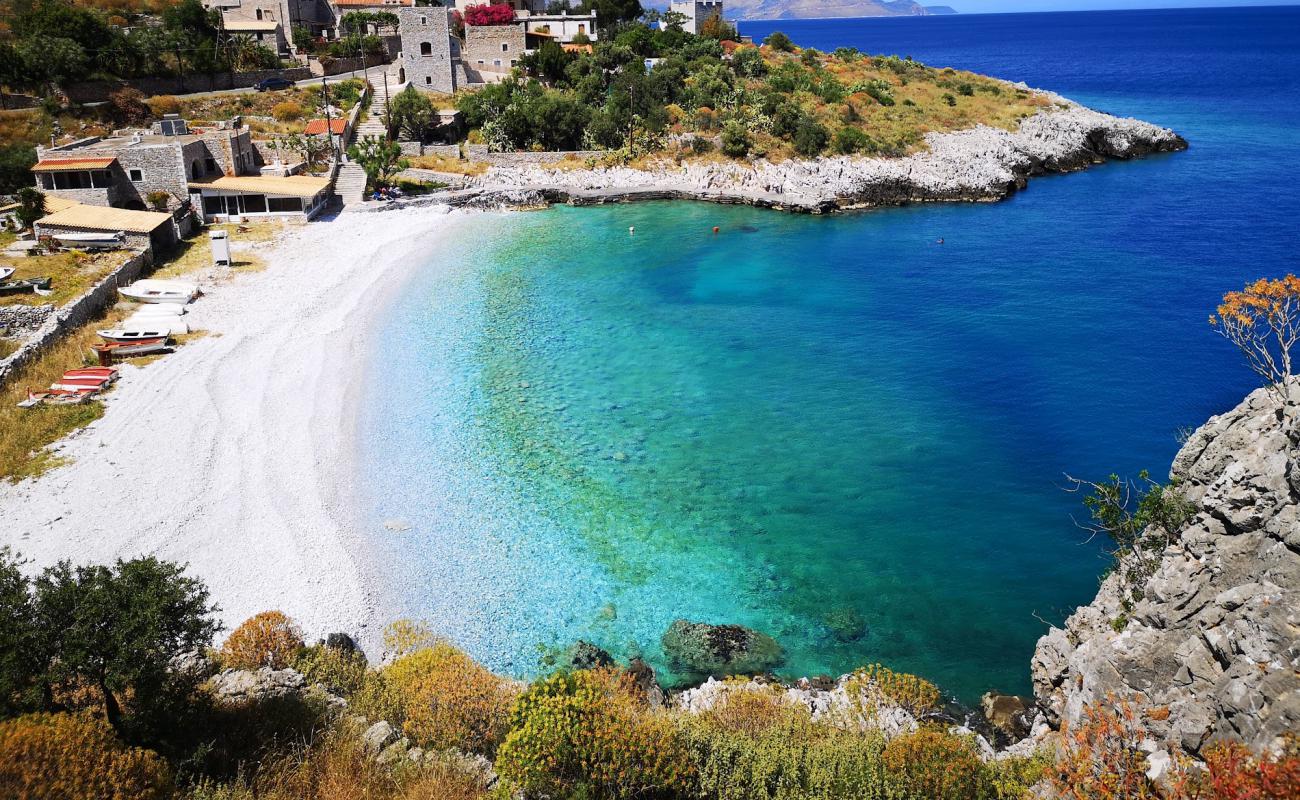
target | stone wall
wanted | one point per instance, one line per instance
(98, 91)
(21, 320)
(479, 152)
(418, 149)
(75, 314)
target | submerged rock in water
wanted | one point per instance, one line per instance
(845, 624)
(719, 650)
(585, 655)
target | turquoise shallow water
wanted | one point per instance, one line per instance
(801, 423)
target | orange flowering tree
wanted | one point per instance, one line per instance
(1263, 321)
(269, 639)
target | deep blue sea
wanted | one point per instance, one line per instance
(835, 430)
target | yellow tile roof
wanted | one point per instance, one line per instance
(72, 164)
(241, 25)
(55, 203)
(292, 185)
(103, 218)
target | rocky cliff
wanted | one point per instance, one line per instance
(979, 164)
(1212, 645)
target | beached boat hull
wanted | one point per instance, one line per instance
(131, 335)
(155, 297)
(91, 241)
(173, 326)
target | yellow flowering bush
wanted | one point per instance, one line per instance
(590, 733)
(915, 695)
(935, 765)
(58, 756)
(449, 700)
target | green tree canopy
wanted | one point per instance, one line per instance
(119, 628)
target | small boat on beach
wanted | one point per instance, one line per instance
(161, 310)
(54, 397)
(91, 241)
(143, 347)
(173, 326)
(134, 333)
(158, 291)
(5, 272)
(38, 285)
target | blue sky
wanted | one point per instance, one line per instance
(990, 6)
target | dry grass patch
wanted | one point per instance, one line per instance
(73, 272)
(446, 164)
(28, 433)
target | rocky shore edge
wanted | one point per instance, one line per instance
(980, 164)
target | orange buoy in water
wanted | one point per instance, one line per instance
(716, 229)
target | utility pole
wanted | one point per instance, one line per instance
(388, 111)
(329, 127)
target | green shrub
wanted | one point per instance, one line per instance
(60, 756)
(700, 146)
(591, 734)
(793, 758)
(850, 140)
(735, 140)
(341, 671)
(780, 42)
(811, 137)
(949, 99)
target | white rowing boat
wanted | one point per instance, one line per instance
(173, 325)
(158, 291)
(91, 241)
(129, 335)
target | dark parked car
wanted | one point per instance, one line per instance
(271, 84)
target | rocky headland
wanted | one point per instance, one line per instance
(1210, 646)
(978, 164)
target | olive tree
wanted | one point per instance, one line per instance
(119, 628)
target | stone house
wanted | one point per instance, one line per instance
(122, 170)
(217, 171)
(494, 48)
(697, 12)
(268, 33)
(430, 58)
(142, 230)
(318, 17)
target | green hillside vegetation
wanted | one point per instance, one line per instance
(702, 94)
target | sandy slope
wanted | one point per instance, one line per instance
(234, 453)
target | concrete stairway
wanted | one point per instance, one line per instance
(350, 184)
(373, 124)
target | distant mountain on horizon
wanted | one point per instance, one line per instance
(814, 9)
